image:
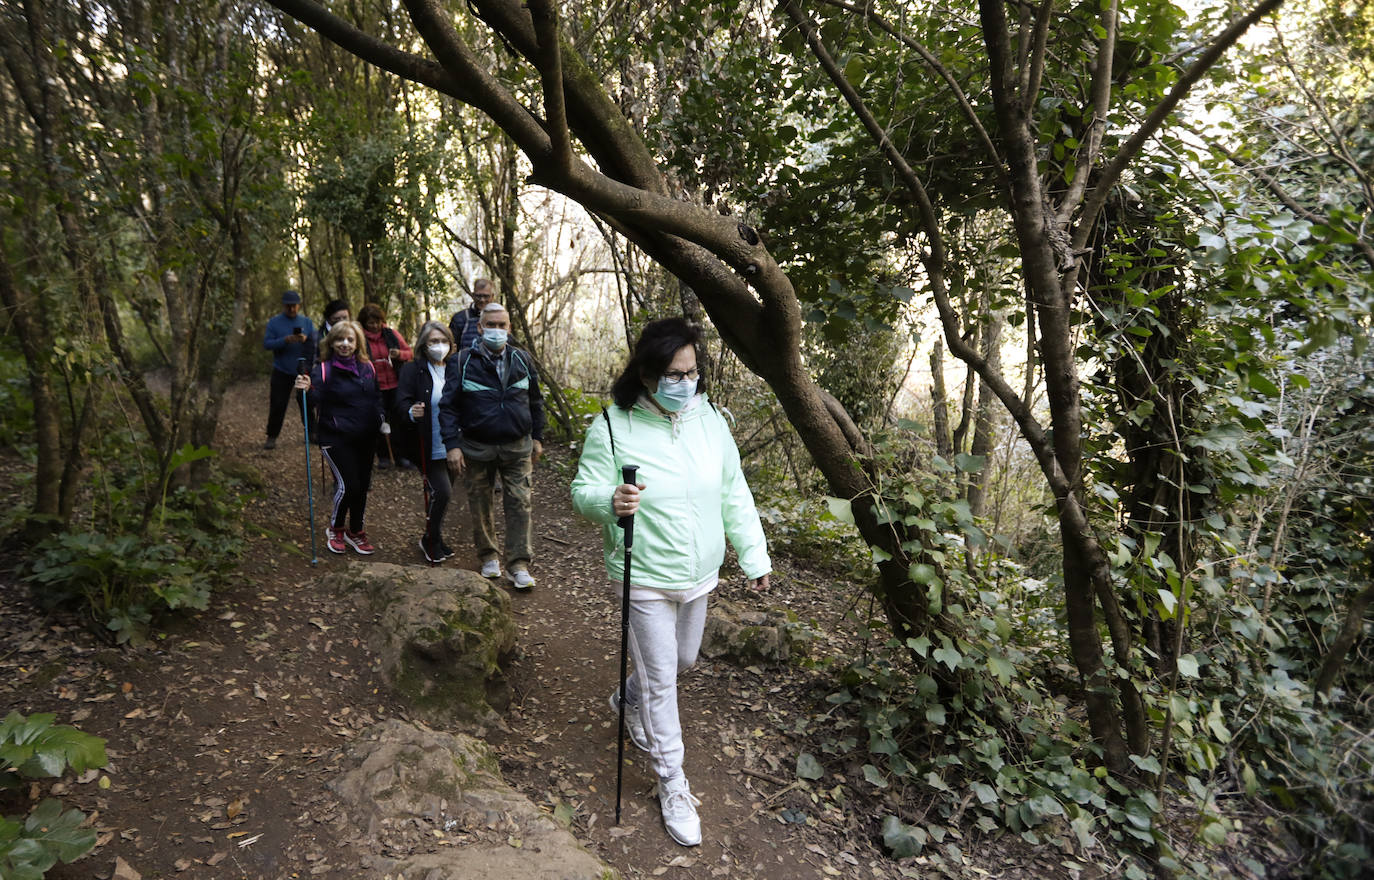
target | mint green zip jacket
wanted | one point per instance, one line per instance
(694, 495)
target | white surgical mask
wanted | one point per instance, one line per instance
(494, 338)
(437, 351)
(673, 396)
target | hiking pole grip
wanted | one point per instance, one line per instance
(627, 475)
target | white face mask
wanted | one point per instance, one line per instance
(673, 395)
(494, 338)
(437, 351)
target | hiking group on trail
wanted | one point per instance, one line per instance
(476, 410)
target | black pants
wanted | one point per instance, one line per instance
(440, 489)
(398, 434)
(351, 462)
(281, 393)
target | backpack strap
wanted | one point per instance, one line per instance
(609, 433)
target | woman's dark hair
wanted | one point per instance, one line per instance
(371, 312)
(336, 305)
(654, 351)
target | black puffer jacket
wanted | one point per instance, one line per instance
(478, 405)
(417, 386)
(345, 404)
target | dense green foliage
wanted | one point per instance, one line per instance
(32, 747)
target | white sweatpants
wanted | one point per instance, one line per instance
(665, 637)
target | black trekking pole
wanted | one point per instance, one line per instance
(627, 473)
(424, 482)
(309, 482)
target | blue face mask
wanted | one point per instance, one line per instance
(673, 396)
(493, 338)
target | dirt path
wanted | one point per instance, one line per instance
(223, 733)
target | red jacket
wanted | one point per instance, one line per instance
(379, 346)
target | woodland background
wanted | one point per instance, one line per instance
(1046, 323)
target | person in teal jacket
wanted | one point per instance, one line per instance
(690, 498)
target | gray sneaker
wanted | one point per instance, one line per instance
(633, 722)
(491, 568)
(521, 579)
(679, 810)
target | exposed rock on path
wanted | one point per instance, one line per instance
(442, 635)
(433, 805)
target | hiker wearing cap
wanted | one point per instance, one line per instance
(290, 336)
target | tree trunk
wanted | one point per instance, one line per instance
(1350, 630)
(983, 420)
(939, 401)
(47, 413)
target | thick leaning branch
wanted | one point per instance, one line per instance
(596, 120)
(550, 66)
(1136, 142)
(631, 204)
(372, 50)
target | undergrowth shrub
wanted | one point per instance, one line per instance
(142, 549)
(33, 747)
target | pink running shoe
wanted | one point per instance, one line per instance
(358, 541)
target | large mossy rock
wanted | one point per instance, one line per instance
(747, 636)
(443, 636)
(433, 806)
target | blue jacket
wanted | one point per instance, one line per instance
(346, 405)
(285, 354)
(479, 406)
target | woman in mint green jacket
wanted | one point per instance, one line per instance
(691, 497)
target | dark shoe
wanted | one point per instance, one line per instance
(383, 464)
(445, 551)
(270, 444)
(405, 464)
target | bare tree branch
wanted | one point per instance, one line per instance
(1086, 156)
(1035, 70)
(1133, 145)
(965, 106)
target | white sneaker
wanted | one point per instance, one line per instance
(679, 810)
(633, 722)
(522, 579)
(491, 568)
